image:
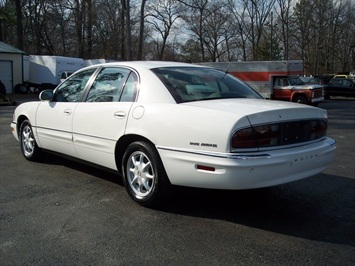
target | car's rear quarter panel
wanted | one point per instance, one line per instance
(185, 127)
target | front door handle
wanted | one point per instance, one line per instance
(67, 112)
(120, 114)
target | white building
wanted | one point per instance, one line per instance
(11, 66)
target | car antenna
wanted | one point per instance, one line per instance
(226, 72)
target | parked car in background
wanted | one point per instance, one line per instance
(340, 76)
(293, 88)
(163, 123)
(340, 87)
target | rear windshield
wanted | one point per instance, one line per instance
(187, 84)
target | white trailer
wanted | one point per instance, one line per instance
(90, 62)
(46, 72)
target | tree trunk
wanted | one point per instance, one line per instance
(141, 32)
(19, 25)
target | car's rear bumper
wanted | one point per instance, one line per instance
(246, 171)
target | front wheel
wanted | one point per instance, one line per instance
(144, 176)
(300, 99)
(29, 147)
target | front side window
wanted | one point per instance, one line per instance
(282, 82)
(72, 89)
(108, 85)
(188, 84)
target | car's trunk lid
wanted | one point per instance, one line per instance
(263, 111)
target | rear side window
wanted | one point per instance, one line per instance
(108, 85)
(129, 91)
(346, 83)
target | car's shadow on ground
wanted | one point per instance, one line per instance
(93, 170)
(319, 208)
(306, 209)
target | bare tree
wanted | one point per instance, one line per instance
(58, 30)
(163, 16)
(302, 32)
(318, 31)
(239, 21)
(284, 12)
(127, 12)
(197, 11)
(258, 12)
(322, 32)
(346, 43)
(109, 33)
(79, 15)
(19, 24)
(141, 30)
(216, 28)
(89, 28)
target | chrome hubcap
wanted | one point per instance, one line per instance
(140, 174)
(28, 142)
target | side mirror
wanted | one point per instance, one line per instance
(46, 95)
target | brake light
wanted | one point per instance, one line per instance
(279, 134)
(319, 129)
(244, 138)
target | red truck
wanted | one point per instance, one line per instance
(277, 80)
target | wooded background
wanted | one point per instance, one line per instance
(320, 32)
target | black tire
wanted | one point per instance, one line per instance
(21, 88)
(29, 147)
(300, 99)
(143, 173)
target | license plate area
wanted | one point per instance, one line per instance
(296, 132)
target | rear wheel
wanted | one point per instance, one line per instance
(144, 176)
(29, 147)
(21, 88)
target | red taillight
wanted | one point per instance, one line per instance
(268, 135)
(319, 129)
(244, 138)
(260, 136)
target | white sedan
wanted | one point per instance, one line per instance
(162, 123)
